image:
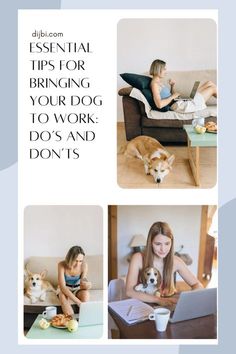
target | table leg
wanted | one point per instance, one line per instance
(194, 164)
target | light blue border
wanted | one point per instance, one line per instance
(8, 170)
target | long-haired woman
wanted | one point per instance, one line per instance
(159, 253)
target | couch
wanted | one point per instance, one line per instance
(38, 264)
(167, 127)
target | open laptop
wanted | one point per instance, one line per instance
(90, 313)
(193, 304)
(192, 94)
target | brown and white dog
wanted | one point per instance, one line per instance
(151, 281)
(157, 161)
(36, 287)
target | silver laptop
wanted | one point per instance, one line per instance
(193, 304)
(192, 94)
(90, 313)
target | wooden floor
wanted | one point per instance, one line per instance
(130, 171)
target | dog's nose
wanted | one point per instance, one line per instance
(33, 283)
(158, 180)
(152, 280)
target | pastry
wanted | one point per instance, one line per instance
(60, 320)
(211, 126)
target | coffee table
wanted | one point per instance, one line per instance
(86, 332)
(196, 141)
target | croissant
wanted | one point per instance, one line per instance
(61, 320)
(212, 126)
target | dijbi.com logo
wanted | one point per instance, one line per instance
(44, 34)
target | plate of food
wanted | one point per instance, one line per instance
(61, 320)
(211, 127)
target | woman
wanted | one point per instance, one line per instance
(164, 96)
(159, 253)
(72, 280)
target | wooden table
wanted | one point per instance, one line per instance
(196, 141)
(198, 328)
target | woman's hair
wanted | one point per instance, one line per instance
(72, 254)
(156, 229)
(156, 67)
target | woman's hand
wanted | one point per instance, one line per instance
(197, 286)
(172, 82)
(164, 301)
(78, 302)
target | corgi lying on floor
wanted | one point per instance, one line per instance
(157, 161)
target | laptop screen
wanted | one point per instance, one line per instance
(91, 313)
(194, 89)
(193, 304)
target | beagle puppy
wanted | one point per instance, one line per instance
(151, 281)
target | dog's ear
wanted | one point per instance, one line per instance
(27, 272)
(171, 159)
(163, 152)
(143, 277)
(43, 273)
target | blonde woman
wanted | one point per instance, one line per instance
(72, 280)
(164, 96)
(159, 253)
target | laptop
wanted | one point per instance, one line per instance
(194, 304)
(192, 94)
(90, 313)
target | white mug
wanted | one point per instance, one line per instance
(50, 312)
(161, 317)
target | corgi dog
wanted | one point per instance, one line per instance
(151, 281)
(36, 287)
(157, 161)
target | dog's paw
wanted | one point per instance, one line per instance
(146, 169)
(42, 297)
(139, 287)
(33, 300)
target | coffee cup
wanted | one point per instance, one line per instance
(161, 317)
(50, 312)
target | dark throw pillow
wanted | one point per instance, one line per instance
(138, 81)
(142, 83)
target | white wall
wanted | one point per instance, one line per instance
(184, 221)
(52, 230)
(185, 44)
